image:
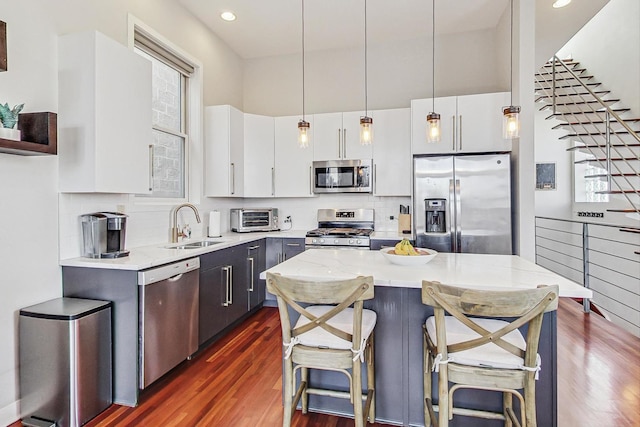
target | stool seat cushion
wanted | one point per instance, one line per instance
(318, 337)
(487, 355)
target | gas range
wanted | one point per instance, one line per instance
(342, 228)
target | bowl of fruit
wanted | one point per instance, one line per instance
(405, 254)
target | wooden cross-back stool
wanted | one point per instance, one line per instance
(329, 334)
(470, 348)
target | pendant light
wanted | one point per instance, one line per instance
(433, 118)
(510, 118)
(366, 122)
(303, 126)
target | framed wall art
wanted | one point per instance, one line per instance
(545, 176)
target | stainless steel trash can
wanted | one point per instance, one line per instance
(65, 360)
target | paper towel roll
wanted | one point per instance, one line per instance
(214, 224)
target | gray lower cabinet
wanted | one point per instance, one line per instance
(280, 249)
(230, 286)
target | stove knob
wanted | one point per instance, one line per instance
(321, 240)
(314, 241)
(336, 241)
(358, 241)
(351, 241)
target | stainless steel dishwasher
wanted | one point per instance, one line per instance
(168, 318)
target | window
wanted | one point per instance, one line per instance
(170, 85)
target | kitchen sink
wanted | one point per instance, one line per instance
(196, 244)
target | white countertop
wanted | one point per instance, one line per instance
(144, 257)
(467, 270)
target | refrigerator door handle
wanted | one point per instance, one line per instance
(452, 218)
(458, 234)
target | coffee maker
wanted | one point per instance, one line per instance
(103, 235)
(435, 213)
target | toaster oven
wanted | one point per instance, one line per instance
(244, 220)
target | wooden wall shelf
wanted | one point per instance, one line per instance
(40, 134)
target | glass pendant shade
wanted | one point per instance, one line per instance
(511, 122)
(366, 130)
(433, 127)
(303, 134)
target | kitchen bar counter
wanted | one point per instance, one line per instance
(401, 314)
(470, 270)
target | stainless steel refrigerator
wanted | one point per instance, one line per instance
(462, 203)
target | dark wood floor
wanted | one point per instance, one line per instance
(237, 381)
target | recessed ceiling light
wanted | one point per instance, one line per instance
(560, 3)
(228, 16)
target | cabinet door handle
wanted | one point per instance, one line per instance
(339, 143)
(226, 290)
(251, 262)
(453, 133)
(375, 178)
(150, 167)
(311, 180)
(344, 143)
(254, 247)
(460, 132)
(273, 181)
(233, 178)
(297, 245)
(230, 284)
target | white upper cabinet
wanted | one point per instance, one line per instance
(259, 179)
(104, 116)
(337, 136)
(224, 149)
(392, 152)
(469, 124)
(292, 163)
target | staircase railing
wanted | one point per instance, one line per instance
(610, 116)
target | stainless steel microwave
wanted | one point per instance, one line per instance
(342, 176)
(258, 219)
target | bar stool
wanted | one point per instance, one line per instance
(483, 352)
(329, 335)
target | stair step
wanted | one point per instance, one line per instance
(565, 86)
(569, 63)
(617, 159)
(614, 175)
(624, 211)
(618, 192)
(593, 122)
(602, 147)
(561, 69)
(561, 79)
(568, 95)
(578, 135)
(561, 114)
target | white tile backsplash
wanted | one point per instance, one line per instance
(149, 223)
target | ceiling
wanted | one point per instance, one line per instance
(274, 27)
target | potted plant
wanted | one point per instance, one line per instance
(9, 119)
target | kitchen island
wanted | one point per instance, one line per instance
(397, 302)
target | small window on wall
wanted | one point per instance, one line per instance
(170, 145)
(589, 179)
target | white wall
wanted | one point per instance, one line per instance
(609, 47)
(466, 63)
(28, 185)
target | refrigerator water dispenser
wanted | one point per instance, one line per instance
(435, 215)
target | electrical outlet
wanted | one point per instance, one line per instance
(287, 220)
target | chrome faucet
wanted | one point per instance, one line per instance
(175, 233)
